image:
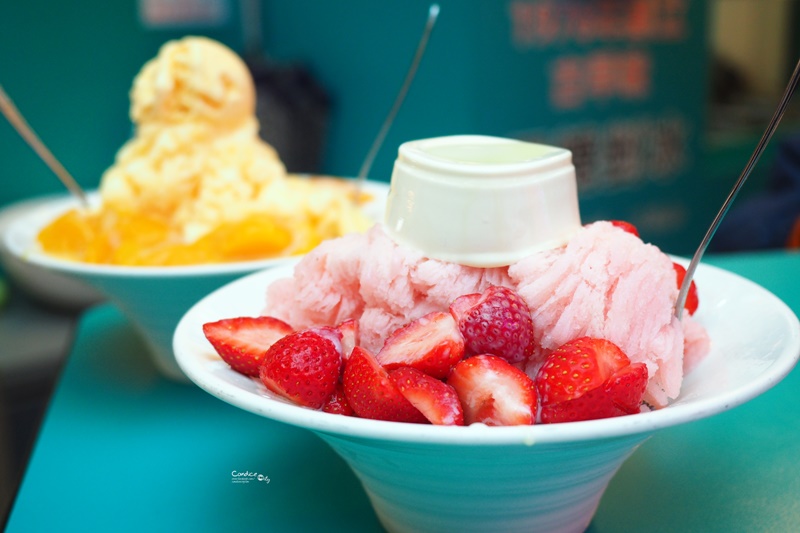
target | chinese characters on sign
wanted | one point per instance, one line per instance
(598, 59)
(543, 23)
(180, 13)
(601, 72)
(599, 76)
(624, 152)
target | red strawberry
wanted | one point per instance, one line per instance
(625, 226)
(493, 392)
(587, 379)
(243, 341)
(626, 388)
(620, 395)
(496, 322)
(692, 300)
(332, 334)
(435, 399)
(577, 367)
(303, 367)
(349, 332)
(431, 344)
(371, 393)
(337, 404)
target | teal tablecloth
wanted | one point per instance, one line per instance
(122, 449)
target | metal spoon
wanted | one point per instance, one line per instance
(771, 127)
(20, 124)
(433, 13)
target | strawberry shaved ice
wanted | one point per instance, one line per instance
(371, 278)
(605, 283)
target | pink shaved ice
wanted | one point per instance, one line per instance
(370, 278)
(604, 283)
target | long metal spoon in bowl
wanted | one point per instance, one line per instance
(771, 127)
(433, 14)
(26, 132)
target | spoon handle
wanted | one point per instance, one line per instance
(433, 13)
(26, 132)
(773, 125)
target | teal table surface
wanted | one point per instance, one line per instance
(122, 449)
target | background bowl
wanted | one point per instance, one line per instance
(43, 284)
(153, 298)
(522, 478)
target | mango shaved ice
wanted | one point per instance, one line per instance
(195, 183)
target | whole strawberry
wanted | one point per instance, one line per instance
(587, 379)
(496, 322)
(303, 367)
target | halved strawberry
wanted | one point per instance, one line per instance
(620, 395)
(577, 367)
(303, 367)
(626, 388)
(332, 334)
(337, 404)
(242, 341)
(372, 394)
(587, 379)
(431, 344)
(435, 399)
(497, 322)
(692, 300)
(493, 392)
(349, 332)
(625, 226)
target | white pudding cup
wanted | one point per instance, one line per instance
(482, 201)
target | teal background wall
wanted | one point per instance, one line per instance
(69, 67)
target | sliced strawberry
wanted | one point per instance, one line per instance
(620, 395)
(462, 305)
(692, 300)
(496, 322)
(337, 404)
(372, 394)
(577, 367)
(587, 379)
(493, 392)
(626, 388)
(435, 399)
(431, 344)
(625, 226)
(303, 367)
(349, 332)
(242, 341)
(332, 334)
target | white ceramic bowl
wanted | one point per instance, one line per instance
(153, 298)
(550, 478)
(43, 284)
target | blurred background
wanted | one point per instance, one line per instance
(661, 102)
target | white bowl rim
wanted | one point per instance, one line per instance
(19, 233)
(206, 370)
